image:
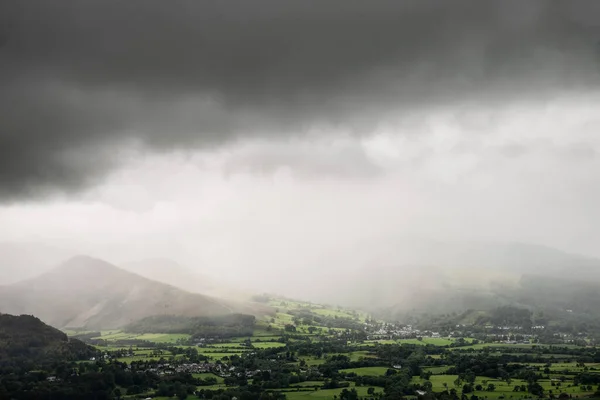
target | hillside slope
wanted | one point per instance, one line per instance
(26, 339)
(91, 293)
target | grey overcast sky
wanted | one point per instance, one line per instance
(283, 134)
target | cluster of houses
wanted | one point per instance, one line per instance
(193, 368)
(391, 331)
(222, 370)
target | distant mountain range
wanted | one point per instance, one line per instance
(409, 275)
(21, 261)
(445, 276)
(89, 293)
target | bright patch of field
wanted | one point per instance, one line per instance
(354, 356)
(150, 337)
(427, 340)
(209, 375)
(267, 345)
(288, 318)
(324, 394)
(163, 337)
(382, 341)
(357, 355)
(436, 370)
(332, 313)
(366, 371)
(312, 361)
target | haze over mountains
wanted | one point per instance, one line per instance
(169, 271)
(418, 275)
(90, 293)
(19, 261)
(411, 273)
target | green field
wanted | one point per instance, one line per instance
(323, 393)
(357, 355)
(267, 345)
(436, 370)
(150, 337)
(209, 375)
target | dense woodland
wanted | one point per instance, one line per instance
(224, 326)
(26, 342)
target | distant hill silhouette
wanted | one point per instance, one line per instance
(91, 293)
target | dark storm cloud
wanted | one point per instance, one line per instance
(81, 78)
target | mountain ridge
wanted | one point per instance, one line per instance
(87, 292)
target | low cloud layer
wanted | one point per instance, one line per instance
(85, 83)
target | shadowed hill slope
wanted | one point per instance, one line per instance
(25, 339)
